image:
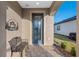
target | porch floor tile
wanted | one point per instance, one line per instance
(42, 51)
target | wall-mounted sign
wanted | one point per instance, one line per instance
(11, 25)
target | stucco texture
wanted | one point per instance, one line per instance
(13, 11)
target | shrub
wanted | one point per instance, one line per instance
(73, 51)
(63, 45)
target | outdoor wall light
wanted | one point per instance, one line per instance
(11, 25)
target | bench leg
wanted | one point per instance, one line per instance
(11, 53)
(21, 54)
(27, 47)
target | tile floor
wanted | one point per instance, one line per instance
(40, 51)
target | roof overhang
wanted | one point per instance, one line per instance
(52, 5)
(55, 6)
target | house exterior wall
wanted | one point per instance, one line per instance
(48, 30)
(12, 11)
(27, 19)
(8, 10)
(2, 29)
(66, 28)
(77, 41)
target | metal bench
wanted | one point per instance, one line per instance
(17, 45)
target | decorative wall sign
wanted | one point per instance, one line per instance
(11, 25)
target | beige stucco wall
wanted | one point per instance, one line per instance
(77, 41)
(2, 29)
(26, 25)
(48, 30)
(13, 12)
(48, 25)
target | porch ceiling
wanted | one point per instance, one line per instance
(35, 4)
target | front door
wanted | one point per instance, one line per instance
(37, 28)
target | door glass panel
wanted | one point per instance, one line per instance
(36, 28)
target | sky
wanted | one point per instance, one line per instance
(66, 10)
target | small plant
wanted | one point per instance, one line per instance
(63, 45)
(73, 51)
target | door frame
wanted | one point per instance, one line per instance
(31, 12)
(40, 14)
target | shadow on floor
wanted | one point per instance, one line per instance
(37, 51)
(58, 51)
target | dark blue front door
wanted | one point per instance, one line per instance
(36, 27)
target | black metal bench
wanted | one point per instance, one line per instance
(17, 45)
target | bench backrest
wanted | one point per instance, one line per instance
(15, 41)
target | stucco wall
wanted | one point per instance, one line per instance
(48, 30)
(77, 41)
(66, 28)
(13, 12)
(2, 29)
(27, 19)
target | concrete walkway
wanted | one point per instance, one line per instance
(40, 51)
(43, 51)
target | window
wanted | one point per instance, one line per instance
(58, 27)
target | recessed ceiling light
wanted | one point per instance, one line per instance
(37, 3)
